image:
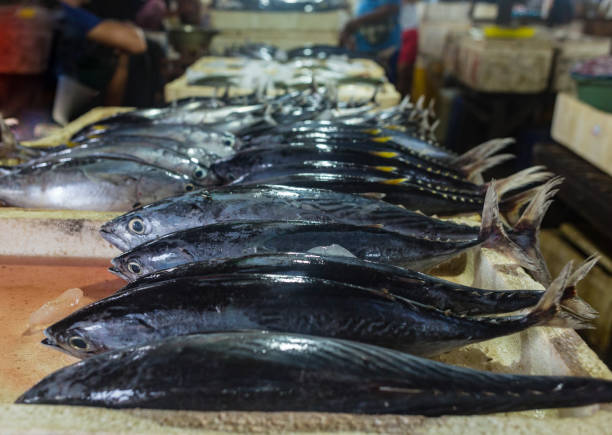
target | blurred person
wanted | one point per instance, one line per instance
(375, 27)
(409, 21)
(94, 57)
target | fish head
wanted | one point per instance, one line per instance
(78, 334)
(128, 230)
(152, 221)
(133, 265)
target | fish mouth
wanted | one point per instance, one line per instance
(113, 239)
(48, 342)
(118, 273)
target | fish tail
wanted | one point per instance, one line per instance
(512, 206)
(521, 179)
(526, 232)
(574, 305)
(493, 235)
(482, 151)
(476, 168)
(549, 306)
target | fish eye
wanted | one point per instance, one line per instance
(228, 141)
(78, 343)
(136, 225)
(199, 173)
(189, 187)
(134, 267)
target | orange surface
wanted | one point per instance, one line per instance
(25, 285)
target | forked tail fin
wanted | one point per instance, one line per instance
(575, 306)
(526, 232)
(482, 151)
(521, 179)
(493, 235)
(474, 169)
(549, 305)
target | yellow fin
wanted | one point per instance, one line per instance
(385, 154)
(385, 168)
(373, 131)
(395, 181)
(382, 139)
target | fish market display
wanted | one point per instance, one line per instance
(260, 371)
(276, 247)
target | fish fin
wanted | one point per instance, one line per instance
(493, 235)
(420, 103)
(434, 126)
(567, 319)
(521, 179)
(582, 270)
(526, 232)
(268, 116)
(482, 151)
(512, 206)
(549, 304)
(571, 302)
(474, 169)
(431, 108)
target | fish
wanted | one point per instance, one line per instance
(268, 162)
(415, 286)
(236, 239)
(138, 150)
(267, 371)
(90, 183)
(221, 143)
(271, 202)
(294, 304)
(202, 154)
(392, 137)
(412, 196)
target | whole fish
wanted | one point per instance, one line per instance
(268, 202)
(236, 239)
(363, 153)
(140, 150)
(412, 196)
(393, 137)
(221, 143)
(415, 286)
(204, 155)
(262, 371)
(90, 183)
(294, 304)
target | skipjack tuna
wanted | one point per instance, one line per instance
(270, 202)
(90, 183)
(415, 286)
(400, 192)
(262, 371)
(295, 304)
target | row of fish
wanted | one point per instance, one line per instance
(141, 156)
(299, 283)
